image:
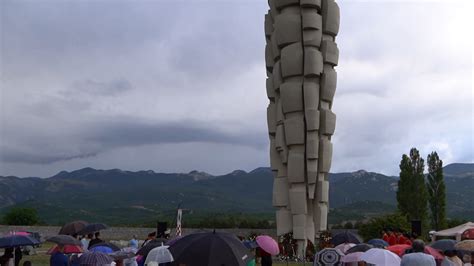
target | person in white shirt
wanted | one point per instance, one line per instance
(418, 257)
(85, 241)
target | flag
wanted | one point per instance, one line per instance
(178, 222)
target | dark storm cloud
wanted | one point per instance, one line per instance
(102, 136)
(13, 155)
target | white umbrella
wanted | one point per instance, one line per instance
(344, 247)
(352, 257)
(159, 254)
(380, 257)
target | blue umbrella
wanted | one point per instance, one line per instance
(378, 243)
(103, 249)
(444, 244)
(250, 244)
(17, 241)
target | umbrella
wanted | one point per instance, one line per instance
(64, 240)
(268, 244)
(444, 244)
(101, 249)
(468, 234)
(466, 245)
(68, 249)
(173, 240)
(345, 237)
(122, 255)
(149, 246)
(95, 259)
(433, 252)
(211, 249)
(159, 255)
(344, 247)
(91, 228)
(72, 228)
(105, 244)
(328, 256)
(352, 257)
(359, 248)
(19, 234)
(250, 244)
(380, 256)
(378, 243)
(17, 241)
(399, 249)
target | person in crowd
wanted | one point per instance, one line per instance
(96, 240)
(86, 240)
(418, 257)
(402, 239)
(149, 238)
(266, 259)
(392, 238)
(7, 258)
(18, 256)
(133, 242)
(59, 258)
(451, 258)
(384, 235)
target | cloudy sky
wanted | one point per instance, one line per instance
(174, 86)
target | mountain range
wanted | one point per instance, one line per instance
(125, 197)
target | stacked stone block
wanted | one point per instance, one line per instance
(300, 56)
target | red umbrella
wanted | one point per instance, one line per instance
(468, 234)
(399, 249)
(68, 249)
(433, 252)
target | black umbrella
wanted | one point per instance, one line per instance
(72, 228)
(212, 249)
(105, 244)
(17, 241)
(91, 228)
(345, 237)
(444, 244)
(151, 245)
(121, 255)
(64, 240)
(359, 248)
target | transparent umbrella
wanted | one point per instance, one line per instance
(159, 255)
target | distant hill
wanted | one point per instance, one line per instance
(124, 197)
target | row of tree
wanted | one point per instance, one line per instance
(422, 198)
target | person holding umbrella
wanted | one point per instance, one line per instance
(96, 239)
(7, 258)
(59, 258)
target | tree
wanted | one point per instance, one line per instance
(412, 196)
(436, 192)
(21, 216)
(374, 227)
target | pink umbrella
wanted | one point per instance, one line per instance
(268, 244)
(20, 234)
(352, 257)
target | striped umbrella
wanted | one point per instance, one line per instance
(95, 259)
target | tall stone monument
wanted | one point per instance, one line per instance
(300, 56)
